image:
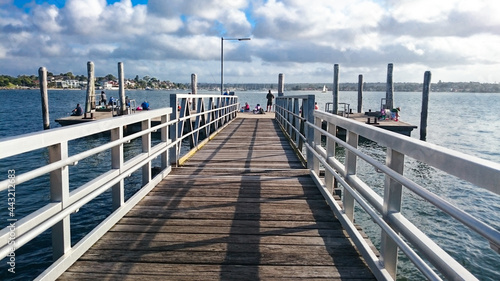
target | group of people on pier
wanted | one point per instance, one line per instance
(258, 109)
(103, 101)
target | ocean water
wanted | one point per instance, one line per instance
(466, 122)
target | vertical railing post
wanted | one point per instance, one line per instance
(309, 114)
(173, 130)
(164, 139)
(235, 107)
(392, 204)
(223, 111)
(317, 142)
(296, 111)
(146, 148)
(279, 109)
(289, 108)
(330, 153)
(210, 116)
(117, 163)
(282, 108)
(59, 192)
(218, 112)
(350, 166)
(198, 120)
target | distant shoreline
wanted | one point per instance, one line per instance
(439, 87)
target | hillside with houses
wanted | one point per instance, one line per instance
(110, 82)
(70, 81)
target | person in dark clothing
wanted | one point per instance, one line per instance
(103, 99)
(77, 111)
(269, 98)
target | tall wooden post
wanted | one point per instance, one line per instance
(42, 77)
(194, 91)
(360, 93)
(389, 94)
(121, 89)
(194, 84)
(335, 89)
(281, 84)
(425, 105)
(90, 101)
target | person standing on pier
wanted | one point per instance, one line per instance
(103, 98)
(270, 98)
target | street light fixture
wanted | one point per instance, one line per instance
(222, 59)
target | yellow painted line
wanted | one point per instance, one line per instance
(195, 149)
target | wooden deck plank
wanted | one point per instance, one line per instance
(242, 208)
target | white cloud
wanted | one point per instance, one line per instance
(303, 39)
(83, 17)
(46, 18)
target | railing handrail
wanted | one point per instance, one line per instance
(483, 173)
(219, 112)
(24, 143)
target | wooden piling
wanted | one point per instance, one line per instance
(121, 89)
(42, 77)
(335, 88)
(90, 101)
(360, 93)
(194, 84)
(389, 94)
(425, 105)
(281, 84)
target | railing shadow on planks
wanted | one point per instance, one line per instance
(196, 119)
(304, 127)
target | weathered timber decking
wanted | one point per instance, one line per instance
(242, 208)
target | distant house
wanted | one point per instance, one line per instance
(70, 84)
(129, 84)
(109, 85)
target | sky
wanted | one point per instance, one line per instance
(457, 40)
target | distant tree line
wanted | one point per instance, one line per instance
(32, 81)
(469, 87)
(19, 81)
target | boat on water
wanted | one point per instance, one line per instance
(324, 89)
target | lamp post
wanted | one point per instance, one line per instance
(222, 59)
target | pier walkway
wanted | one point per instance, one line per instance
(203, 192)
(242, 208)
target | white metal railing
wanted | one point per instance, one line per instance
(200, 116)
(307, 126)
(208, 114)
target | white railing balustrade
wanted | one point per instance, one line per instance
(197, 118)
(302, 124)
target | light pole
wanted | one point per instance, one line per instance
(222, 59)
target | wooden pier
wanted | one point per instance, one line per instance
(241, 208)
(87, 117)
(388, 124)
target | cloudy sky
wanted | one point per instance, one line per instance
(457, 40)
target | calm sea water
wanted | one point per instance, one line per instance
(467, 122)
